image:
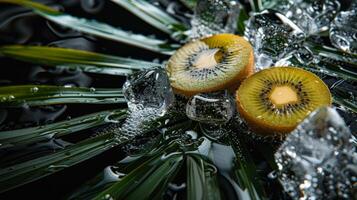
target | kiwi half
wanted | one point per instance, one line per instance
(275, 100)
(218, 62)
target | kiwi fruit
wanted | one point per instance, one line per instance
(214, 63)
(274, 101)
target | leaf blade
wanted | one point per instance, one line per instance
(38, 95)
(95, 28)
(58, 129)
(76, 59)
(23, 173)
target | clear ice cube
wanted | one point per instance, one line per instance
(318, 159)
(149, 96)
(273, 37)
(311, 16)
(148, 89)
(217, 107)
(213, 17)
(343, 31)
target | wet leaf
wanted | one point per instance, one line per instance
(95, 28)
(151, 15)
(29, 171)
(39, 95)
(143, 181)
(202, 180)
(59, 129)
(75, 59)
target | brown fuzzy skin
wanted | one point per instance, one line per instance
(231, 85)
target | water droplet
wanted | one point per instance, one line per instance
(34, 89)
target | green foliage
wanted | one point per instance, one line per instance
(95, 28)
(75, 59)
(39, 95)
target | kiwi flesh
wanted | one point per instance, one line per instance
(274, 101)
(214, 63)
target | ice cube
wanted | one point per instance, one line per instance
(316, 159)
(343, 31)
(273, 37)
(148, 89)
(213, 108)
(311, 16)
(213, 17)
(149, 96)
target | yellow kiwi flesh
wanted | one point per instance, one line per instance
(218, 62)
(274, 101)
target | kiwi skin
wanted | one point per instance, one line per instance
(231, 85)
(266, 129)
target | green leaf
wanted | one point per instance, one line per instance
(75, 59)
(201, 179)
(342, 96)
(191, 4)
(39, 95)
(59, 129)
(95, 28)
(29, 171)
(151, 14)
(256, 5)
(245, 169)
(243, 16)
(142, 182)
(332, 53)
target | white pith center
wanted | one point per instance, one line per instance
(206, 59)
(282, 95)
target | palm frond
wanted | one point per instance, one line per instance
(153, 16)
(59, 129)
(202, 180)
(75, 59)
(23, 173)
(245, 170)
(39, 95)
(191, 4)
(95, 28)
(256, 5)
(143, 181)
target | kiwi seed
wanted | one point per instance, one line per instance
(275, 100)
(218, 62)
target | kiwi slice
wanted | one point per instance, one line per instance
(275, 100)
(214, 63)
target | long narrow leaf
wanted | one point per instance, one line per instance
(151, 14)
(59, 129)
(342, 96)
(38, 95)
(332, 53)
(95, 28)
(256, 5)
(144, 180)
(23, 173)
(77, 59)
(245, 170)
(201, 179)
(191, 4)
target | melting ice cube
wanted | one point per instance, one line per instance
(273, 37)
(213, 17)
(217, 107)
(318, 159)
(311, 16)
(343, 31)
(149, 95)
(148, 89)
